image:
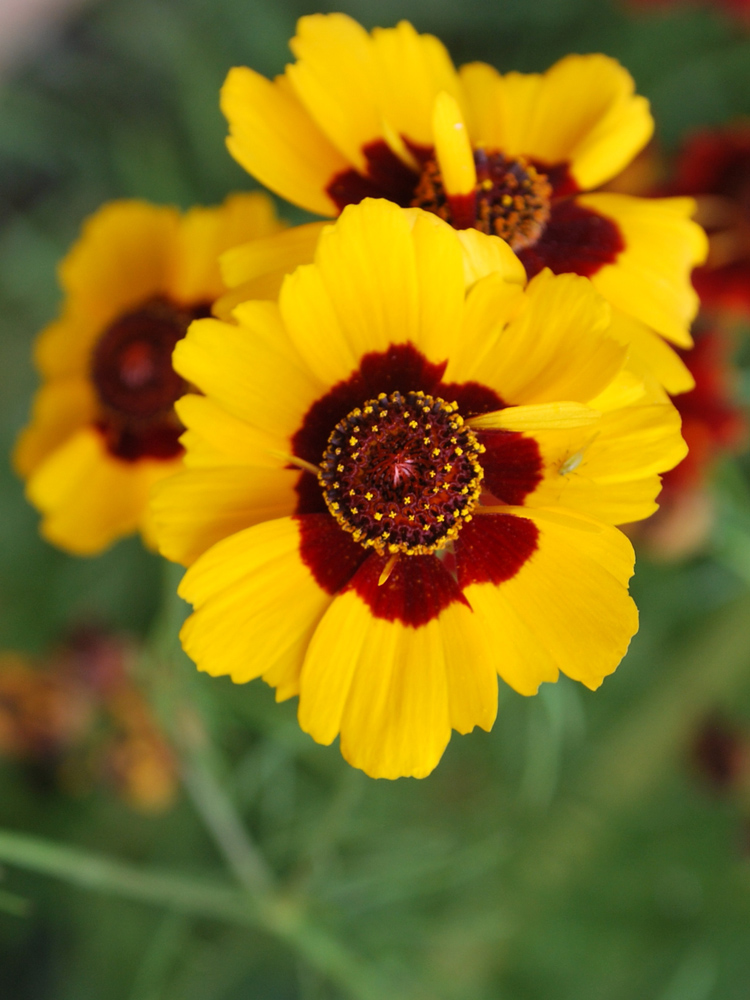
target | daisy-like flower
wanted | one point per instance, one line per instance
(400, 482)
(103, 427)
(387, 115)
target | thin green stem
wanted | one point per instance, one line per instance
(284, 918)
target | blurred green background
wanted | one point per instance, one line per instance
(572, 854)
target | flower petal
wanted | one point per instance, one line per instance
(582, 111)
(572, 597)
(256, 605)
(89, 499)
(650, 280)
(241, 366)
(273, 137)
(196, 508)
(335, 78)
(60, 408)
(206, 233)
(556, 348)
(392, 690)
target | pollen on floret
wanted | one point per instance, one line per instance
(511, 198)
(413, 479)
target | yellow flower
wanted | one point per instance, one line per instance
(387, 115)
(398, 482)
(103, 427)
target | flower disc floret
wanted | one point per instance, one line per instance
(131, 365)
(401, 473)
(511, 198)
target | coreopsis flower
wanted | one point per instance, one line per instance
(401, 480)
(714, 167)
(103, 427)
(387, 115)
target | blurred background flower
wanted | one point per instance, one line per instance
(578, 851)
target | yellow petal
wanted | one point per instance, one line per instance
(452, 147)
(418, 66)
(214, 437)
(360, 295)
(651, 355)
(572, 598)
(582, 111)
(485, 255)
(278, 252)
(206, 233)
(251, 369)
(256, 605)
(88, 498)
(610, 471)
(273, 137)
(198, 507)
(544, 416)
(394, 691)
(650, 280)
(558, 347)
(61, 407)
(335, 78)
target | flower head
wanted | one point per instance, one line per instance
(387, 115)
(103, 429)
(401, 480)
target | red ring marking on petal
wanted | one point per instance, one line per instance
(402, 368)
(576, 239)
(512, 465)
(417, 590)
(328, 552)
(387, 177)
(472, 398)
(493, 547)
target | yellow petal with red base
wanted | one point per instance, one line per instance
(393, 691)
(369, 289)
(335, 79)
(572, 597)
(650, 280)
(273, 137)
(583, 111)
(245, 624)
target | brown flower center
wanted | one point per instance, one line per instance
(132, 362)
(401, 473)
(511, 198)
(131, 369)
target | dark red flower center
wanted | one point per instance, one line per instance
(401, 474)
(137, 387)
(528, 203)
(428, 570)
(511, 198)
